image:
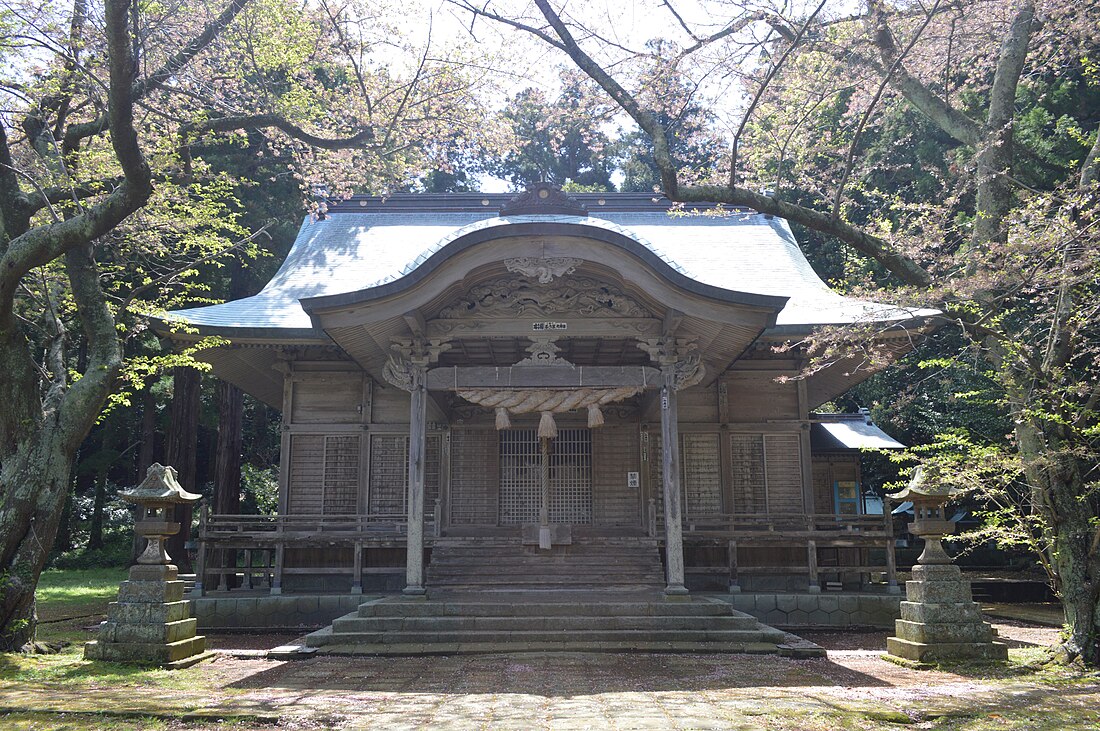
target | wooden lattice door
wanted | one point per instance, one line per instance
(570, 477)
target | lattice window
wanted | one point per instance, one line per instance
(748, 474)
(521, 477)
(389, 465)
(341, 479)
(389, 472)
(571, 477)
(702, 474)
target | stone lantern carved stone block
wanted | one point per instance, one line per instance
(150, 622)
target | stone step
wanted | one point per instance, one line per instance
(610, 608)
(354, 623)
(532, 636)
(635, 645)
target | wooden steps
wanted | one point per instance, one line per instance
(611, 563)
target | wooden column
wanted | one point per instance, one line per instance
(418, 416)
(811, 560)
(670, 461)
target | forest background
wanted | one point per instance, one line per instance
(155, 155)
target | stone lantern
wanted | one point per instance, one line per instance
(940, 620)
(150, 622)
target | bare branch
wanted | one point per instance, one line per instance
(871, 108)
(763, 87)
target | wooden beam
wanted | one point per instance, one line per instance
(415, 320)
(460, 378)
(607, 327)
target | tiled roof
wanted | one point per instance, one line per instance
(351, 251)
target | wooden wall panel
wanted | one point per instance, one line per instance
(475, 466)
(327, 398)
(756, 397)
(823, 487)
(615, 452)
(828, 469)
(697, 405)
(391, 405)
(783, 459)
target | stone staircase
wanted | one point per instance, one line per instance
(499, 565)
(597, 594)
(526, 623)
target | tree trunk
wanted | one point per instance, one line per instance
(181, 453)
(95, 527)
(227, 460)
(146, 456)
(147, 453)
(34, 480)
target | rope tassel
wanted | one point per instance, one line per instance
(595, 416)
(503, 422)
(547, 428)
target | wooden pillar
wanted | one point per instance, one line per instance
(734, 585)
(670, 462)
(357, 569)
(414, 551)
(811, 559)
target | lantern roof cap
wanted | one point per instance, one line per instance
(159, 486)
(921, 486)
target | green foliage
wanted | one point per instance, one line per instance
(558, 140)
(260, 487)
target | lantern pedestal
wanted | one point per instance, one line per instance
(150, 622)
(941, 621)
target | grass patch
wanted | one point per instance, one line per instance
(64, 593)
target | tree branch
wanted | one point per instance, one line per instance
(848, 164)
(263, 121)
(763, 87)
(42, 244)
(77, 132)
(950, 120)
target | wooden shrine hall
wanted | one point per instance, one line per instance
(549, 392)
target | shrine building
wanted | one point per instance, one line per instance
(551, 393)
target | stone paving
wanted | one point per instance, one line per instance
(852, 688)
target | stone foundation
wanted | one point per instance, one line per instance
(818, 610)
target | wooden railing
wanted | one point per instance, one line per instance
(787, 525)
(808, 531)
(248, 552)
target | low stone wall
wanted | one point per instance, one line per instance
(305, 611)
(819, 610)
(291, 612)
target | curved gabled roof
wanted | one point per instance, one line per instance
(352, 251)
